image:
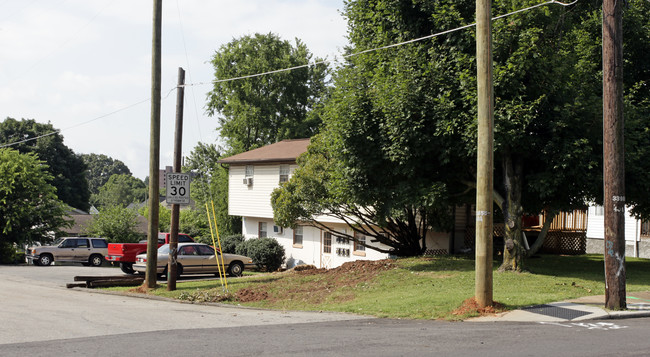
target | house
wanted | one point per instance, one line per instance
(253, 175)
(81, 220)
(637, 233)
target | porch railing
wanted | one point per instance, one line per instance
(575, 221)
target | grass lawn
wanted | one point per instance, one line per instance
(416, 288)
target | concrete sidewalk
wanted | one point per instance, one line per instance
(581, 309)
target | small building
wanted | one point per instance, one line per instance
(637, 233)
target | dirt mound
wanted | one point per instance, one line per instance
(470, 306)
(315, 291)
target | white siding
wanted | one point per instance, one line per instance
(596, 225)
(253, 200)
(310, 252)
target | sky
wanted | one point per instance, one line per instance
(85, 66)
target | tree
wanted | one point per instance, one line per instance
(120, 190)
(115, 223)
(67, 168)
(265, 109)
(210, 186)
(402, 120)
(100, 169)
(29, 208)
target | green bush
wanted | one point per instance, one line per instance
(229, 243)
(9, 255)
(267, 253)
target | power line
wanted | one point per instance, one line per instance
(295, 67)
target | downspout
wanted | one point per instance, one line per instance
(637, 237)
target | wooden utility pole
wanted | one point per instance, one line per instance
(154, 148)
(483, 283)
(178, 150)
(613, 155)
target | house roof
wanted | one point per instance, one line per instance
(283, 151)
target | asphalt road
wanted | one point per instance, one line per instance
(40, 317)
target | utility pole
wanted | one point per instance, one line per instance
(485, 156)
(613, 155)
(172, 266)
(154, 149)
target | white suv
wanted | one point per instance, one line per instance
(87, 251)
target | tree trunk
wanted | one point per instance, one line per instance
(550, 215)
(513, 250)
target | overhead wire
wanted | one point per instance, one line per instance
(325, 61)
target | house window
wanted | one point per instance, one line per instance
(284, 173)
(327, 242)
(261, 230)
(297, 236)
(358, 240)
(250, 170)
(599, 210)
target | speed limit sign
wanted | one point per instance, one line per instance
(178, 188)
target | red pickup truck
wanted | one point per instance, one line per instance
(124, 253)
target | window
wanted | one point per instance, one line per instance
(297, 236)
(184, 238)
(188, 250)
(250, 170)
(205, 250)
(261, 230)
(599, 210)
(99, 243)
(327, 242)
(284, 173)
(359, 238)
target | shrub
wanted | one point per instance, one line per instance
(229, 243)
(267, 253)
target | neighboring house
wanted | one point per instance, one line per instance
(637, 233)
(253, 175)
(81, 220)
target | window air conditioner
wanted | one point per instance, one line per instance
(248, 181)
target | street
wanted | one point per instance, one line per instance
(41, 317)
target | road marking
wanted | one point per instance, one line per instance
(587, 325)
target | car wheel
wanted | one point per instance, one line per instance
(127, 268)
(45, 260)
(96, 260)
(236, 268)
(179, 271)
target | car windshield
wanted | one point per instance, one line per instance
(164, 249)
(58, 241)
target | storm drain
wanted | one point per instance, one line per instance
(556, 311)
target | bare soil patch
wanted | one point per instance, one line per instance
(470, 307)
(325, 283)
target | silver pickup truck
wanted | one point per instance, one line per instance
(87, 251)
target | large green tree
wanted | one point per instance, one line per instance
(120, 190)
(265, 109)
(29, 207)
(403, 119)
(210, 186)
(117, 224)
(100, 169)
(67, 168)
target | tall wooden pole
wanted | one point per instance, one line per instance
(154, 148)
(613, 155)
(172, 265)
(484, 180)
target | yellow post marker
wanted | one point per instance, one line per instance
(216, 253)
(216, 229)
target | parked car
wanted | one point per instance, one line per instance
(196, 258)
(125, 253)
(84, 250)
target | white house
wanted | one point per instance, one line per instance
(637, 233)
(253, 175)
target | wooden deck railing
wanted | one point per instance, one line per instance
(575, 221)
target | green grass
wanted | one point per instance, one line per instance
(423, 288)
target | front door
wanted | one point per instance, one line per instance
(326, 250)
